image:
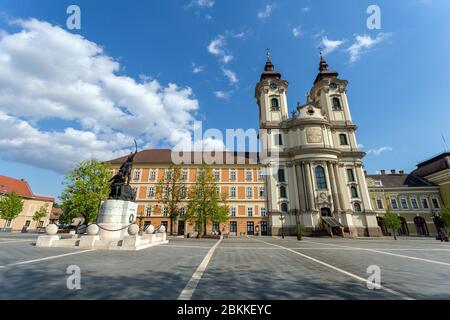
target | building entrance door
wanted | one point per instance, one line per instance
(264, 228)
(250, 228)
(181, 225)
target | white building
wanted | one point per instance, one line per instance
(319, 179)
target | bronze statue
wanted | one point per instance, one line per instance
(120, 183)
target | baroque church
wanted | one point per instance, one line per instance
(319, 179)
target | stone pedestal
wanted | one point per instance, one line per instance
(47, 240)
(88, 241)
(114, 215)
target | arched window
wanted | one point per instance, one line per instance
(274, 104)
(284, 207)
(320, 178)
(337, 104)
(357, 207)
(354, 192)
(281, 175)
(343, 139)
(283, 192)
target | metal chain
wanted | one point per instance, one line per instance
(111, 229)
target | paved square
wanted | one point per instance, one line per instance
(240, 268)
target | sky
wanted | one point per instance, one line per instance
(148, 70)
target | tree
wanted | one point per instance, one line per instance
(86, 187)
(41, 213)
(446, 216)
(392, 222)
(205, 202)
(171, 191)
(11, 205)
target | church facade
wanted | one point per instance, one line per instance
(318, 179)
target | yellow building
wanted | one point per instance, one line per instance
(414, 199)
(240, 179)
(437, 170)
(32, 203)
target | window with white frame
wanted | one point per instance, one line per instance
(249, 192)
(263, 212)
(134, 190)
(250, 211)
(233, 211)
(262, 192)
(414, 203)
(183, 192)
(166, 191)
(218, 191)
(182, 211)
(217, 175)
(435, 203)
(233, 175)
(233, 192)
(260, 175)
(148, 211)
(151, 191)
(248, 175)
(168, 174)
(153, 175)
(165, 211)
(425, 204)
(379, 203)
(184, 175)
(137, 174)
(394, 204)
(404, 203)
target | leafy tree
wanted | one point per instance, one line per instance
(171, 191)
(205, 202)
(85, 188)
(11, 205)
(41, 213)
(446, 216)
(392, 222)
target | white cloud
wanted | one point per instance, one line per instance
(201, 4)
(265, 12)
(330, 45)
(297, 31)
(306, 9)
(47, 73)
(230, 75)
(377, 152)
(197, 69)
(222, 94)
(217, 47)
(363, 44)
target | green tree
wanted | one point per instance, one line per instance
(392, 222)
(205, 202)
(11, 205)
(41, 213)
(171, 191)
(86, 187)
(446, 216)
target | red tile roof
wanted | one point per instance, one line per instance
(21, 187)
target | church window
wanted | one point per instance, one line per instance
(354, 192)
(284, 207)
(274, 104)
(414, 203)
(320, 178)
(350, 175)
(283, 192)
(337, 104)
(379, 204)
(281, 177)
(404, 203)
(425, 203)
(435, 203)
(343, 139)
(357, 207)
(279, 139)
(394, 204)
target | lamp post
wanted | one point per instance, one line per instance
(282, 225)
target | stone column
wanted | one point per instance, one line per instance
(309, 186)
(339, 186)
(334, 190)
(301, 187)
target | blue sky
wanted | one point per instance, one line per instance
(204, 58)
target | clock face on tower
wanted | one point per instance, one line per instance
(273, 86)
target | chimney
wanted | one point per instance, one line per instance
(401, 172)
(383, 172)
(393, 171)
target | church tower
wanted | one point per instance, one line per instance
(317, 177)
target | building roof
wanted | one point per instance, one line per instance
(269, 71)
(324, 73)
(164, 156)
(21, 187)
(433, 165)
(401, 180)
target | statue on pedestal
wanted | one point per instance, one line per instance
(120, 183)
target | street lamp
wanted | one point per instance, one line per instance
(282, 225)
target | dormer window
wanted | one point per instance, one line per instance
(336, 104)
(274, 104)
